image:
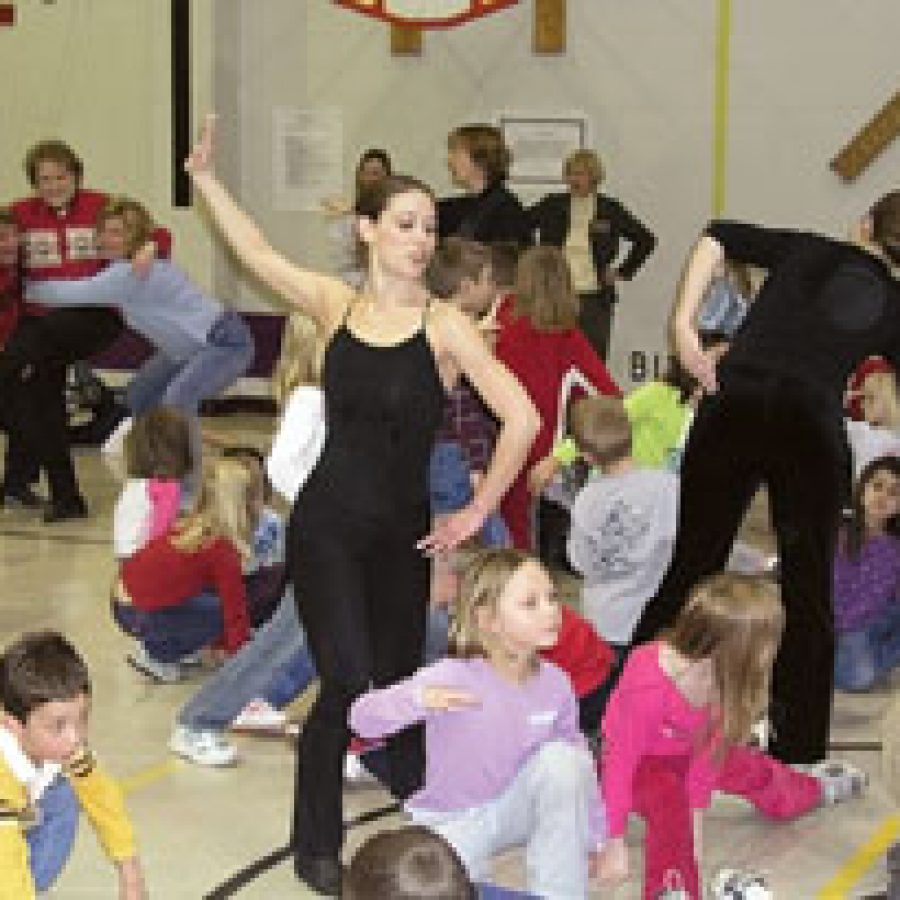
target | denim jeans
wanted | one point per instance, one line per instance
(546, 809)
(183, 384)
(275, 664)
(863, 657)
(172, 633)
(450, 489)
(50, 842)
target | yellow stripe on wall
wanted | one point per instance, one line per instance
(864, 858)
(720, 106)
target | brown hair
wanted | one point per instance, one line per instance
(159, 445)
(736, 621)
(504, 260)
(7, 217)
(853, 535)
(373, 153)
(52, 151)
(544, 292)
(374, 201)
(38, 668)
(586, 160)
(454, 260)
(485, 144)
(411, 863)
(600, 427)
(885, 216)
(137, 221)
(482, 581)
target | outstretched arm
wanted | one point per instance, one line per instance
(508, 401)
(319, 296)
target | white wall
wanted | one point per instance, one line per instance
(96, 73)
(803, 77)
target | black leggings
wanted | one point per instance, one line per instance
(362, 594)
(762, 428)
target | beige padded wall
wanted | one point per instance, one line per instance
(96, 74)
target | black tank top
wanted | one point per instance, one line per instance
(383, 407)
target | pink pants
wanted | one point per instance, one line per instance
(660, 798)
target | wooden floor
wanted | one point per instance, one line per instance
(199, 826)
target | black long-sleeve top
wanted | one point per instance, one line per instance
(824, 306)
(490, 217)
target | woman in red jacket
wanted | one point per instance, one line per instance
(539, 341)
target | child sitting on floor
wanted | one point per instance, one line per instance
(185, 589)
(867, 580)
(47, 774)
(157, 458)
(494, 696)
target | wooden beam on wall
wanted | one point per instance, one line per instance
(406, 41)
(549, 26)
(868, 143)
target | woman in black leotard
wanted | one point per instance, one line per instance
(357, 530)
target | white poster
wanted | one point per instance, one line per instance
(308, 158)
(540, 145)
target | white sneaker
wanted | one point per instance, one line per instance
(160, 672)
(206, 748)
(840, 780)
(260, 716)
(355, 772)
(736, 884)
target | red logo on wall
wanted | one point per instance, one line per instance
(426, 13)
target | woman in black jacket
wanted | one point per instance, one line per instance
(589, 227)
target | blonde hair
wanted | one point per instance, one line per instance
(882, 388)
(544, 292)
(222, 509)
(736, 621)
(300, 359)
(483, 580)
(601, 428)
(137, 221)
(587, 161)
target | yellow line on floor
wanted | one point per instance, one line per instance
(147, 776)
(855, 867)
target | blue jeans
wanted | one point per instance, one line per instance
(50, 842)
(863, 657)
(275, 664)
(172, 633)
(183, 384)
(450, 489)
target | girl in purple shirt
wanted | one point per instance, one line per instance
(867, 580)
(506, 764)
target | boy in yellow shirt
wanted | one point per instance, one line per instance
(47, 772)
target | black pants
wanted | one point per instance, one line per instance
(595, 319)
(362, 594)
(32, 369)
(768, 429)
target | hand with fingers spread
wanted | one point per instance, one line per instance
(201, 158)
(448, 699)
(451, 531)
(610, 864)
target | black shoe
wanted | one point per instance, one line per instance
(24, 497)
(95, 432)
(324, 874)
(61, 511)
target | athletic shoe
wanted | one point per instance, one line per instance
(355, 773)
(205, 748)
(260, 717)
(21, 497)
(64, 510)
(840, 780)
(736, 884)
(160, 672)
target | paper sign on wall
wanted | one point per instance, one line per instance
(308, 158)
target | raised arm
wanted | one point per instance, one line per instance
(463, 345)
(319, 296)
